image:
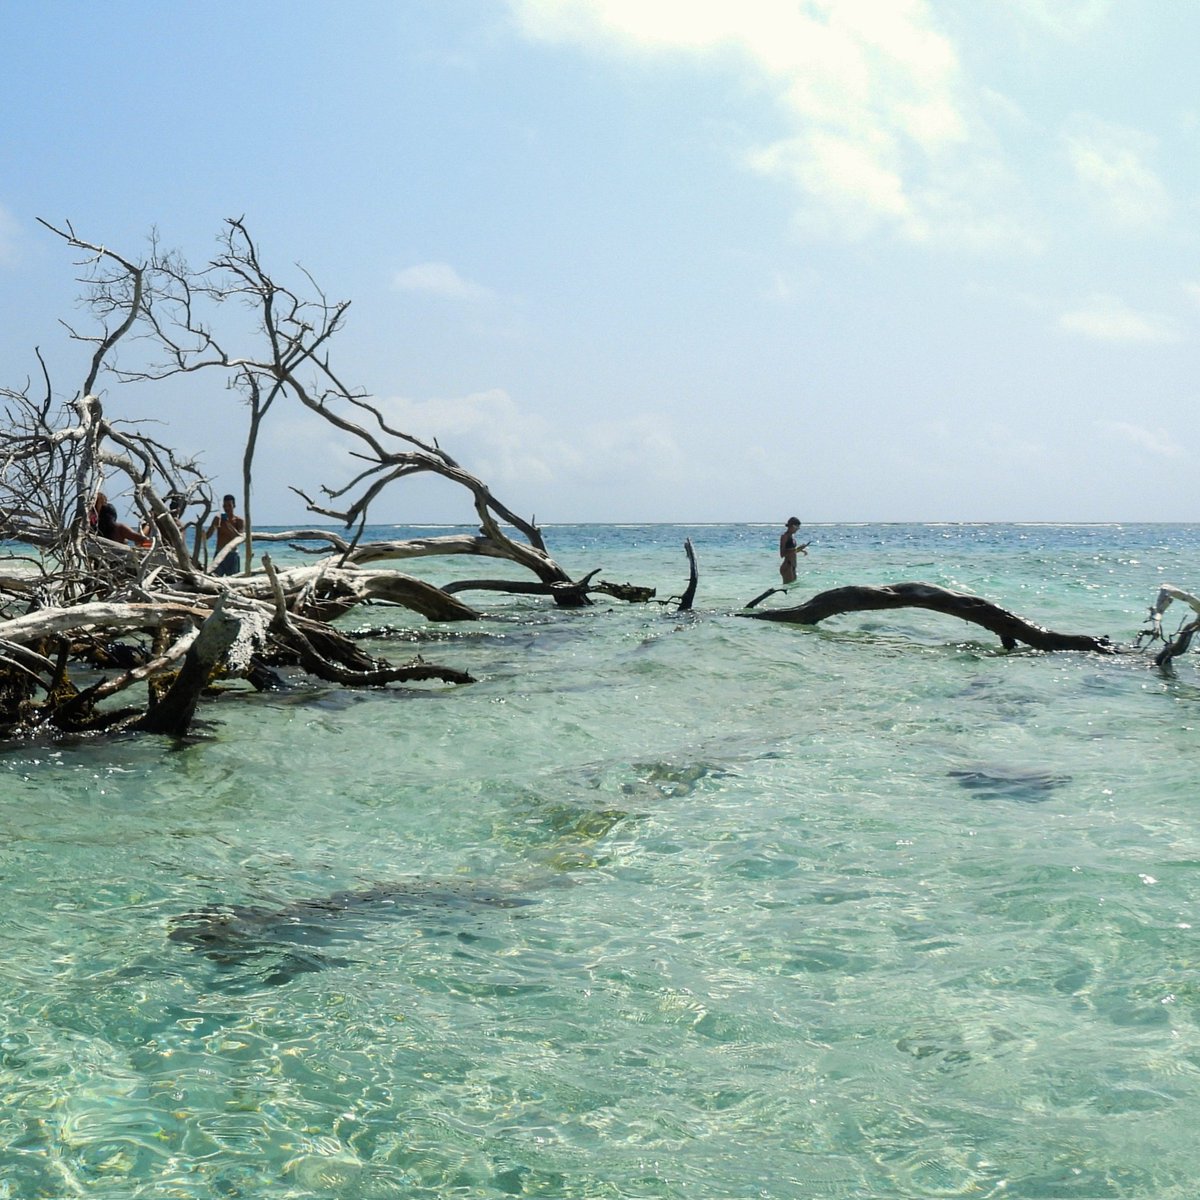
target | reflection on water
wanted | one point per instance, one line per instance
(654, 909)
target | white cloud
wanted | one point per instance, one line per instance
(643, 445)
(439, 279)
(493, 437)
(852, 187)
(989, 448)
(1109, 319)
(1156, 442)
(881, 138)
(1068, 19)
(485, 432)
(1110, 166)
(651, 25)
(780, 289)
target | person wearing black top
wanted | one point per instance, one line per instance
(788, 549)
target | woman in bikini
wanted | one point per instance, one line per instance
(788, 549)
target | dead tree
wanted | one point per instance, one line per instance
(75, 592)
(292, 360)
(1009, 628)
(55, 458)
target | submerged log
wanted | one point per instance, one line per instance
(1008, 627)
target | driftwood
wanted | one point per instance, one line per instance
(287, 629)
(515, 587)
(110, 617)
(631, 593)
(1009, 628)
(1182, 640)
(328, 590)
(566, 592)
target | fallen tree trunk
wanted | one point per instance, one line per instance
(333, 590)
(1009, 628)
(107, 617)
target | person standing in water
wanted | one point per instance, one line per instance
(788, 549)
(227, 526)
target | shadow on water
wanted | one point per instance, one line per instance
(1027, 787)
(254, 945)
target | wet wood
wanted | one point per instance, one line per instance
(172, 713)
(1011, 629)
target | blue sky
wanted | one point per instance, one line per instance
(658, 260)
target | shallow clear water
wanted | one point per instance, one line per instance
(661, 906)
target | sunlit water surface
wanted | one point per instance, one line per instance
(663, 905)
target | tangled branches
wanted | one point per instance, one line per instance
(75, 605)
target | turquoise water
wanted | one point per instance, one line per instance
(663, 905)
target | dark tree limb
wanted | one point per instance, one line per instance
(515, 587)
(763, 595)
(568, 594)
(573, 593)
(689, 595)
(1179, 644)
(1009, 628)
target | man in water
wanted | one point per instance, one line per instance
(227, 526)
(788, 549)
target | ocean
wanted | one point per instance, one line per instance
(663, 905)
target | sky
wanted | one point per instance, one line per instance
(654, 260)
